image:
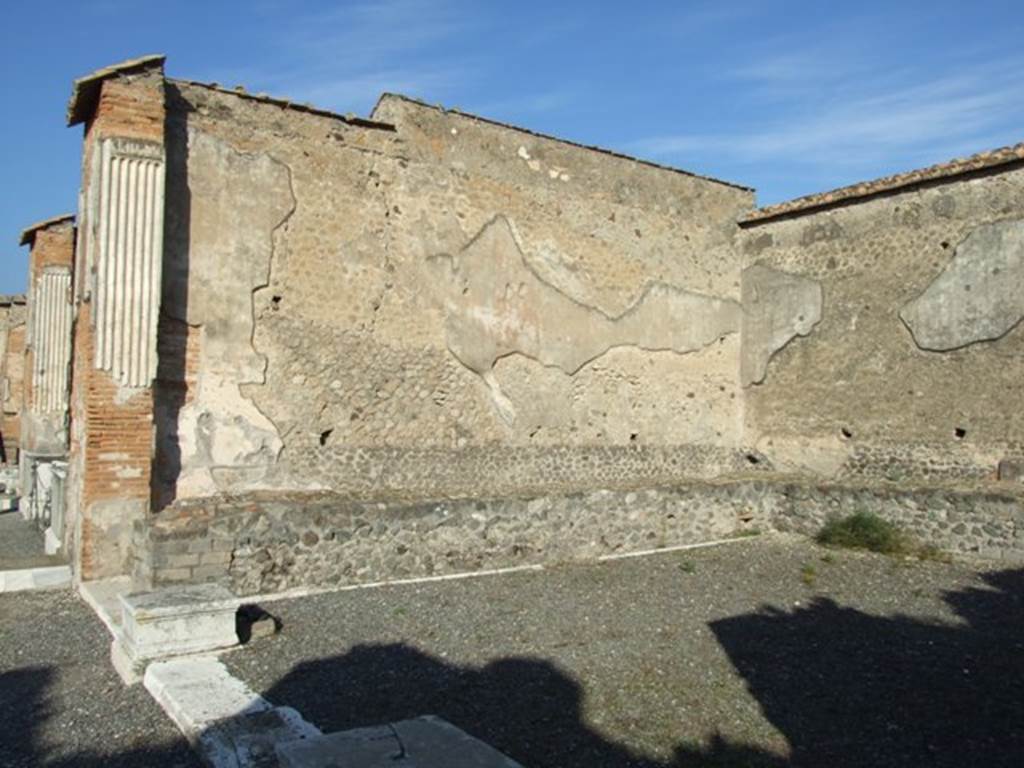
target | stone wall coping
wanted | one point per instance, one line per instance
(28, 235)
(948, 171)
(85, 91)
(285, 103)
(519, 129)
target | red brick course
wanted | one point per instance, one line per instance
(112, 427)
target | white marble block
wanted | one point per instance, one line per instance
(172, 622)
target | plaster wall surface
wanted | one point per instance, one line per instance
(443, 308)
(914, 371)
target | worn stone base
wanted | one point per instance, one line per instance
(44, 577)
(275, 543)
(272, 543)
(172, 622)
(420, 742)
(230, 725)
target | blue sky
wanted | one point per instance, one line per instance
(787, 97)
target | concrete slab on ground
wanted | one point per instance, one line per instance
(104, 597)
(228, 724)
(45, 577)
(423, 742)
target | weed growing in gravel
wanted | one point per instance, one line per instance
(687, 566)
(863, 530)
(808, 574)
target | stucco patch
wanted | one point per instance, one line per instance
(777, 307)
(979, 296)
(230, 247)
(496, 305)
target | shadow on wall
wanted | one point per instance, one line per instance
(170, 390)
(845, 688)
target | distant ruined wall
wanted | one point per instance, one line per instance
(915, 370)
(12, 365)
(448, 308)
(47, 362)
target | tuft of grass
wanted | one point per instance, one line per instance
(808, 574)
(863, 530)
(687, 566)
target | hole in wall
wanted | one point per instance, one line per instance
(846, 433)
(633, 436)
(753, 459)
(275, 302)
(959, 433)
(325, 436)
(944, 244)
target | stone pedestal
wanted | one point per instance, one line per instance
(51, 543)
(172, 622)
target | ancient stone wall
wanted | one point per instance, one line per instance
(438, 305)
(12, 366)
(268, 544)
(914, 371)
(47, 361)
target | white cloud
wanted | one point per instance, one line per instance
(836, 116)
(344, 57)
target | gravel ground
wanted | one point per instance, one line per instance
(62, 704)
(766, 652)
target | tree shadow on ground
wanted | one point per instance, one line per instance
(25, 706)
(851, 689)
(845, 688)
